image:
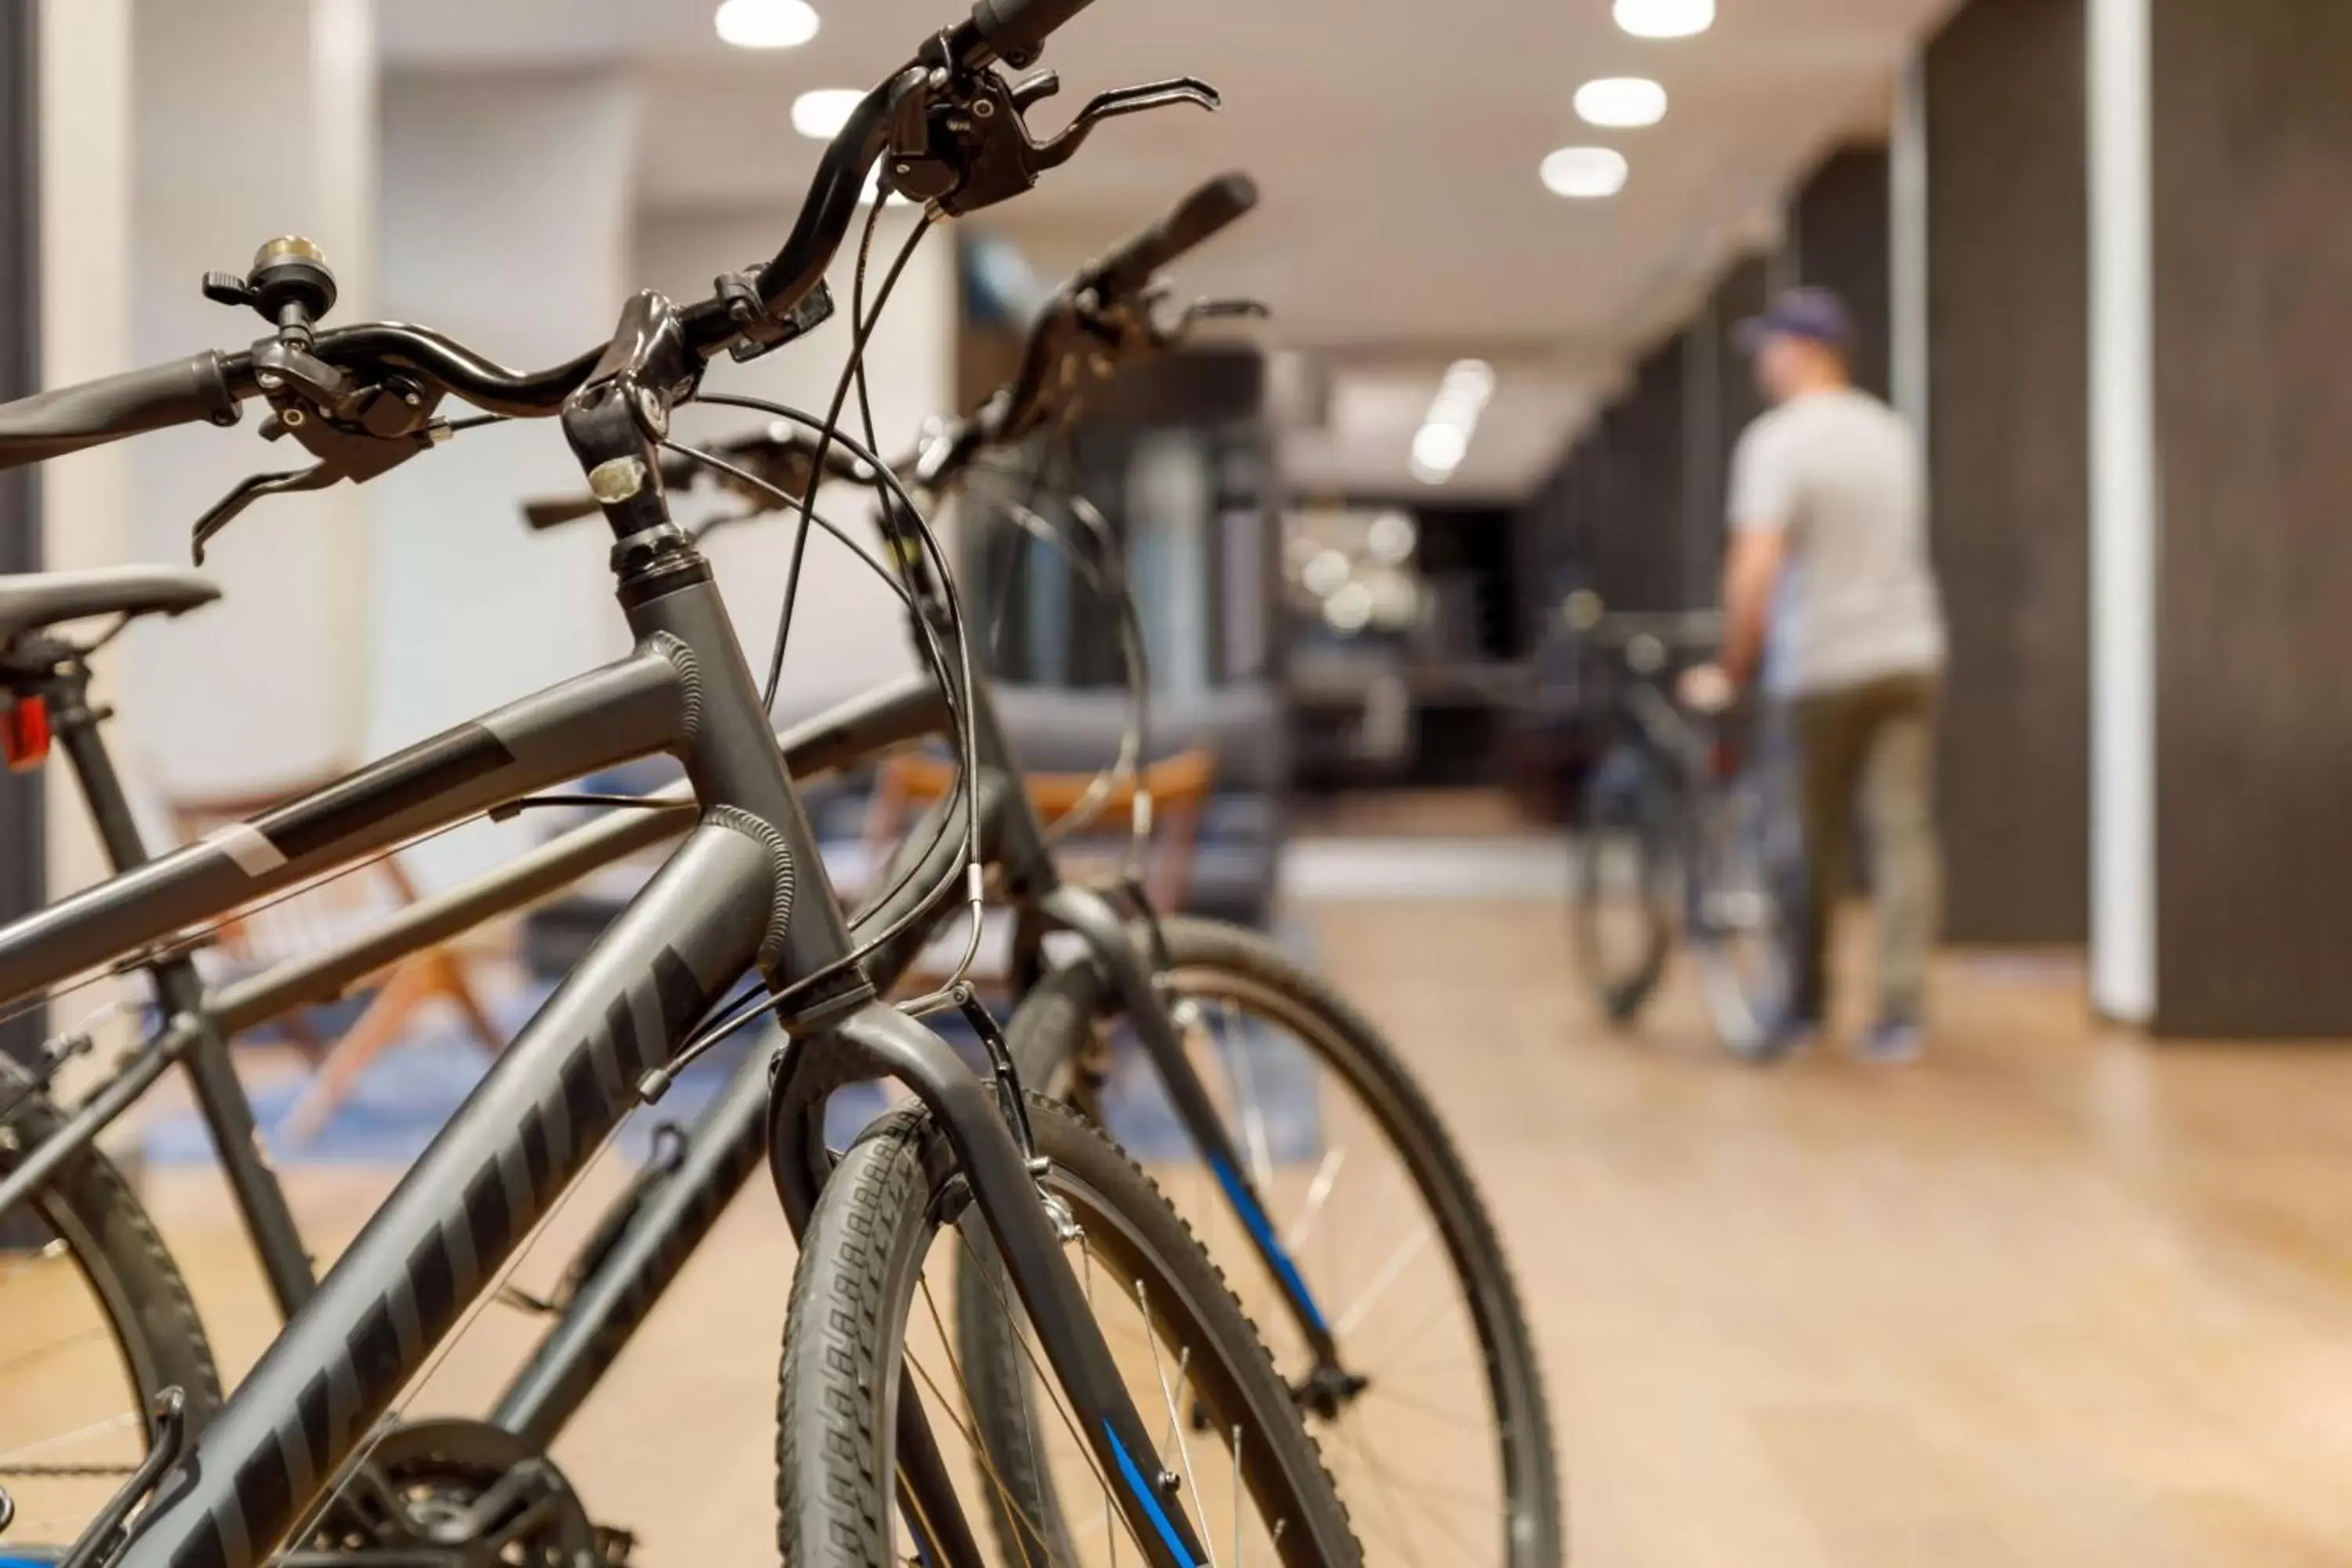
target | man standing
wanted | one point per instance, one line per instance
(1828, 587)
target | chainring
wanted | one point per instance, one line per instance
(475, 1494)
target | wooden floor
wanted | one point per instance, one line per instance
(2048, 1299)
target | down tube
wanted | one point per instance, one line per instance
(675, 1212)
(461, 1211)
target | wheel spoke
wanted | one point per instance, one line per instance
(1235, 1052)
(979, 1449)
(1389, 1274)
(1319, 1192)
(1012, 1323)
(1175, 1420)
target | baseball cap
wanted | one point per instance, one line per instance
(1813, 313)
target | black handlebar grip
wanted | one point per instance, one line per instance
(49, 424)
(1197, 218)
(1017, 30)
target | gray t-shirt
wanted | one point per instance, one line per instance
(1856, 599)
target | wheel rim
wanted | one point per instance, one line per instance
(1422, 1453)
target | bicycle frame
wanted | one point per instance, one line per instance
(745, 892)
(630, 1260)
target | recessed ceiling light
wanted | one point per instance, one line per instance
(1444, 439)
(820, 114)
(1584, 171)
(1349, 610)
(1391, 538)
(1326, 573)
(1439, 447)
(1666, 18)
(765, 24)
(1621, 101)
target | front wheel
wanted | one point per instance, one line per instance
(866, 1326)
(1437, 1432)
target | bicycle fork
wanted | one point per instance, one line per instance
(878, 1040)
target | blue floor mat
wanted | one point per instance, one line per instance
(409, 1092)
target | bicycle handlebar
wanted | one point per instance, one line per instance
(781, 455)
(1017, 30)
(1197, 217)
(209, 386)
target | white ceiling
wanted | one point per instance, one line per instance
(1395, 145)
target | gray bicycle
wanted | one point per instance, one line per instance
(972, 1170)
(1676, 838)
(1310, 1154)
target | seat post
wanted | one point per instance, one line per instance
(75, 723)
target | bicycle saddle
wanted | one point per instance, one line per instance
(30, 601)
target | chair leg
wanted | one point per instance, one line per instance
(450, 980)
(304, 1035)
(386, 1018)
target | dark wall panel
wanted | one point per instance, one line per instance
(1634, 544)
(1839, 234)
(2253, 313)
(1720, 399)
(2008, 464)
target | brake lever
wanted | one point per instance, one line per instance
(1225, 311)
(1118, 101)
(226, 510)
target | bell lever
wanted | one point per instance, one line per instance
(289, 285)
(1035, 90)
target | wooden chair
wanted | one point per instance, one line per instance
(1179, 785)
(316, 917)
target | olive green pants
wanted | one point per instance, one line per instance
(1873, 744)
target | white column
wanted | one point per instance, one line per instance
(253, 118)
(1907, 207)
(2125, 517)
(85, 327)
(506, 222)
(848, 633)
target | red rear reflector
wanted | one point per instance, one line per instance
(25, 733)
